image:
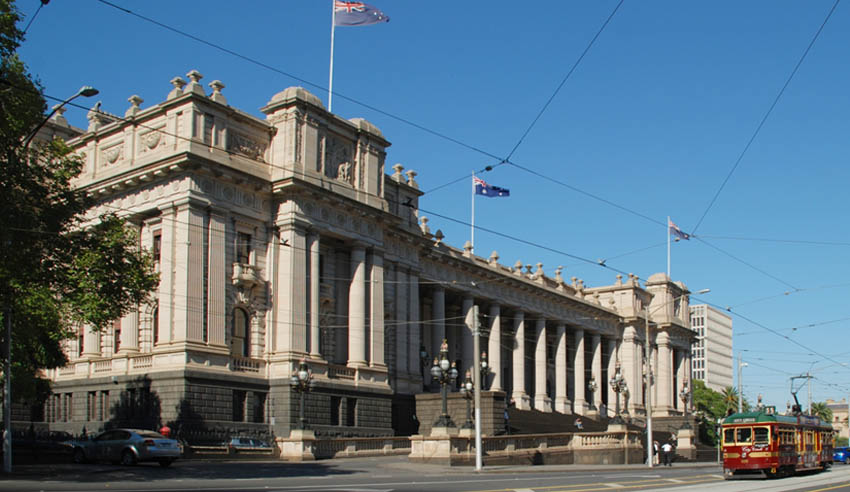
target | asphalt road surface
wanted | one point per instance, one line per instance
(396, 474)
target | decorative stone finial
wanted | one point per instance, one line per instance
(95, 117)
(518, 267)
(411, 174)
(528, 269)
(438, 236)
(558, 277)
(538, 274)
(134, 108)
(59, 117)
(195, 83)
(397, 176)
(619, 279)
(467, 249)
(423, 225)
(177, 91)
(494, 258)
(217, 96)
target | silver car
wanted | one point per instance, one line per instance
(127, 446)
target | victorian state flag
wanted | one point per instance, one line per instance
(357, 14)
(482, 188)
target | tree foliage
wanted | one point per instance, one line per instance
(59, 268)
(822, 410)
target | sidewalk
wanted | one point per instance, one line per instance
(638, 467)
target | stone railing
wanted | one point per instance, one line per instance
(141, 362)
(102, 365)
(361, 446)
(336, 371)
(242, 364)
(613, 447)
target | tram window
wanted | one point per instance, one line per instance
(744, 435)
(729, 436)
(761, 435)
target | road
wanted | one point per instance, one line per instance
(396, 474)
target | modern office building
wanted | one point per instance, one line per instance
(712, 353)
(282, 239)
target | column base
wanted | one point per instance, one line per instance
(543, 404)
(521, 401)
(563, 405)
(580, 407)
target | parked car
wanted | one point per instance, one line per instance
(236, 444)
(127, 446)
(841, 455)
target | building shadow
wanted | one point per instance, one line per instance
(137, 407)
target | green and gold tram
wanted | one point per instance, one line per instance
(776, 445)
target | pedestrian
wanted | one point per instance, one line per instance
(667, 450)
(655, 452)
(165, 430)
(579, 424)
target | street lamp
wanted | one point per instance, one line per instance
(485, 370)
(648, 374)
(302, 382)
(618, 384)
(741, 365)
(85, 91)
(591, 386)
(444, 372)
(467, 390)
(685, 396)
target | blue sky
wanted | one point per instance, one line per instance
(653, 119)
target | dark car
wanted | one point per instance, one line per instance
(127, 446)
(841, 455)
(237, 444)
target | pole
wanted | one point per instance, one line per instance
(809, 382)
(740, 386)
(7, 396)
(668, 246)
(472, 219)
(331, 70)
(649, 447)
(476, 378)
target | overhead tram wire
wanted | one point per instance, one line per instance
(575, 65)
(41, 5)
(766, 115)
(299, 79)
(730, 255)
(564, 80)
(767, 240)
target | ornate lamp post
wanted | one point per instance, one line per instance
(618, 384)
(591, 386)
(302, 382)
(685, 396)
(444, 372)
(485, 370)
(467, 389)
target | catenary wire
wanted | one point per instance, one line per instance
(41, 5)
(766, 115)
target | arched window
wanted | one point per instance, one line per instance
(241, 335)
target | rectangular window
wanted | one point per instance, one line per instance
(104, 405)
(761, 435)
(728, 437)
(351, 412)
(90, 406)
(243, 248)
(116, 334)
(68, 414)
(335, 404)
(259, 407)
(157, 248)
(743, 435)
(239, 400)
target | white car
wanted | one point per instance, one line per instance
(128, 447)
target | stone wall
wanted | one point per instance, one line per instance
(429, 407)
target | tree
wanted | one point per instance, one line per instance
(60, 269)
(822, 410)
(730, 398)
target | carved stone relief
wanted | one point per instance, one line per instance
(338, 159)
(151, 140)
(244, 145)
(114, 153)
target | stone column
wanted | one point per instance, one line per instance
(189, 314)
(680, 377)
(596, 368)
(357, 308)
(664, 379)
(612, 370)
(165, 303)
(414, 340)
(315, 281)
(376, 297)
(402, 327)
(562, 401)
(91, 342)
(289, 331)
(217, 280)
(519, 396)
(438, 320)
(494, 348)
(129, 340)
(468, 328)
(579, 403)
(630, 364)
(541, 399)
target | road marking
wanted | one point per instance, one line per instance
(674, 480)
(614, 485)
(523, 490)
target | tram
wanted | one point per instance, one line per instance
(775, 445)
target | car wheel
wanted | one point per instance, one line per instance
(128, 458)
(165, 463)
(79, 456)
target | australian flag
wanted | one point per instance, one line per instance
(675, 231)
(357, 14)
(482, 188)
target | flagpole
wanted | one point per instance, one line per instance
(668, 247)
(472, 220)
(331, 71)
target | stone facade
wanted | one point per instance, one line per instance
(284, 239)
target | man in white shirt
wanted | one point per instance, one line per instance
(667, 453)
